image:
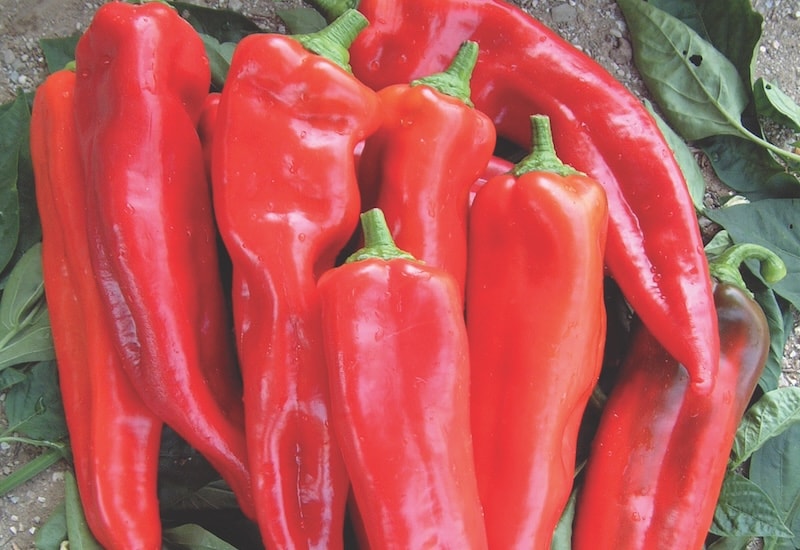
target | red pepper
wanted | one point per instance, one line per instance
(424, 158)
(142, 77)
(536, 322)
(659, 457)
(654, 250)
(398, 361)
(286, 201)
(205, 128)
(114, 438)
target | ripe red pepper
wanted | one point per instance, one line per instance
(659, 457)
(398, 361)
(423, 160)
(205, 128)
(114, 437)
(286, 201)
(654, 250)
(536, 322)
(142, 77)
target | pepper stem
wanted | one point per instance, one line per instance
(454, 80)
(542, 157)
(725, 267)
(378, 241)
(331, 9)
(333, 41)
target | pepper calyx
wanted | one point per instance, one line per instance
(378, 241)
(455, 79)
(333, 41)
(542, 157)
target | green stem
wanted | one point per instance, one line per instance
(454, 81)
(29, 470)
(331, 9)
(378, 241)
(725, 267)
(542, 157)
(333, 41)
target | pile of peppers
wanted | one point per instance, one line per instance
(421, 376)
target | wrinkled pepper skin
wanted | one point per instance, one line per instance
(398, 359)
(536, 323)
(654, 250)
(286, 201)
(660, 454)
(423, 160)
(114, 437)
(142, 77)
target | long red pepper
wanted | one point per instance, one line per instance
(142, 77)
(423, 160)
(398, 359)
(654, 250)
(536, 323)
(114, 437)
(660, 453)
(287, 200)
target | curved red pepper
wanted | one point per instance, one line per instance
(114, 437)
(536, 322)
(660, 453)
(654, 250)
(424, 158)
(205, 128)
(286, 201)
(398, 360)
(142, 77)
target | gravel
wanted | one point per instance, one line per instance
(594, 26)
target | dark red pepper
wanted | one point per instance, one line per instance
(536, 322)
(398, 359)
(286, 201)
(654, 250)
(423, 160)
(142, 78)
(114, 437)
(660, 453)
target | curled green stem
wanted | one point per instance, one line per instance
(726, 267)
(333, 42)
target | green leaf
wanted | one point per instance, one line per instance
(750, 169)
(33, 407)
(691, 171)
(29, 470)
(774, 104)
(219, 58)
(732, 26)
(10, 377)
(193, 537)
(78, 532)
(745, 510)
(54, 531)
(562, 536)
(776, 469)
(774, 224)
(779, 319)
(697, 88)
(731, 543)
(302, 20)
(59, 51)
(224, 25)
(772, 415)
(14, 121)
(25, 334)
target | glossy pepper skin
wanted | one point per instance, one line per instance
(286, 201)
(398, 361)
(114, 437)
(423, 160)
(654, 250)
(142, 77)
(536, 323)
(659, 457)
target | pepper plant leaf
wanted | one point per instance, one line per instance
(770, 416)
(59, 51)
(224, 25)
(33, 407)
(193, 537)
(780, 321)
(745, 510)
(14, 120)
(776, 469)
(302, 20)
(696, 86)
(748, 168)
(773, 103)
(78, 532)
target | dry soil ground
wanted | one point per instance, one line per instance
(595, 26)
